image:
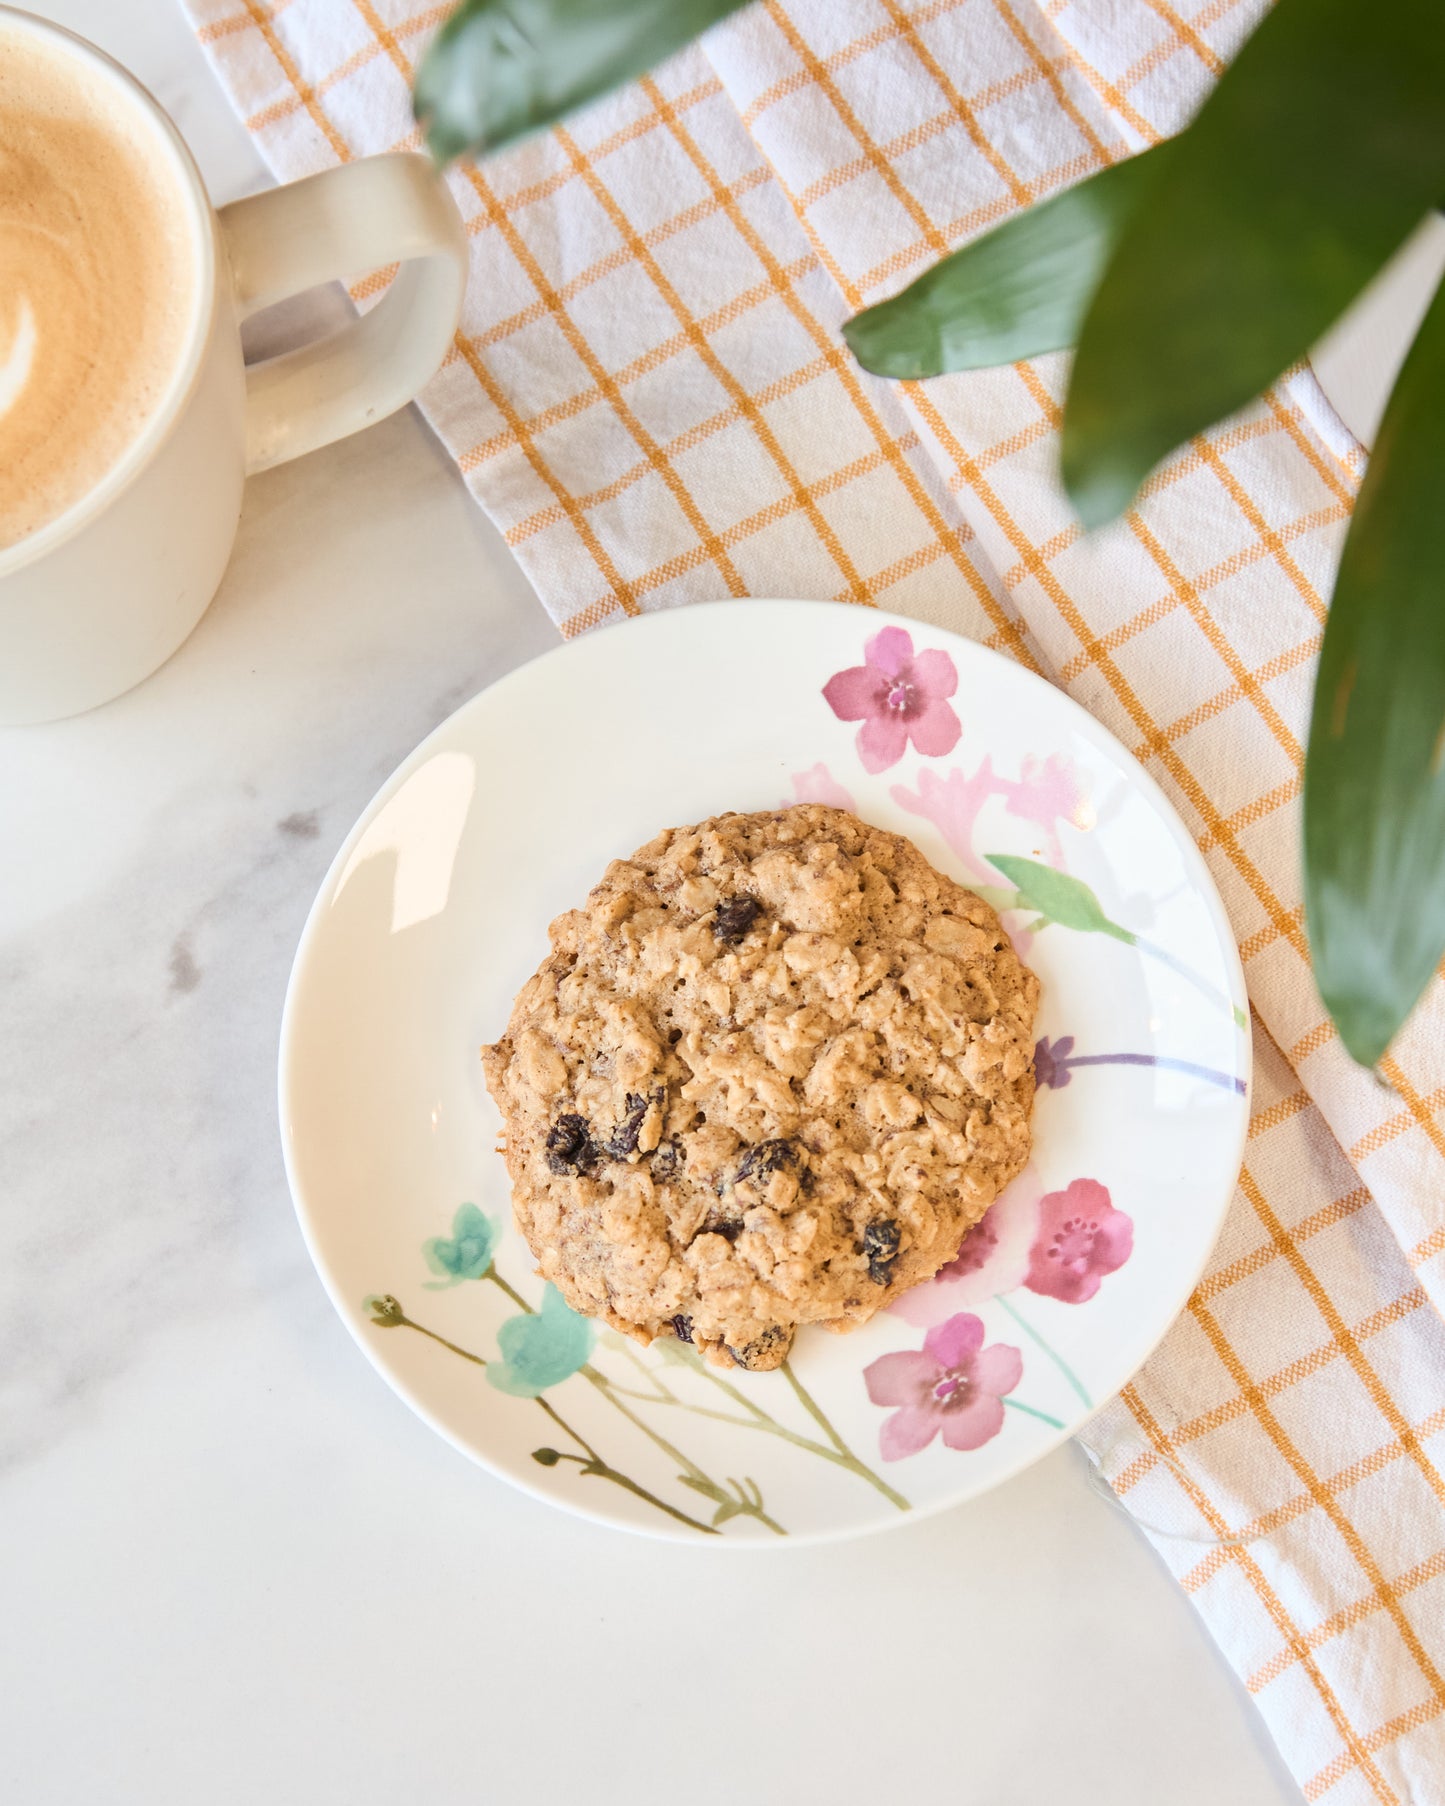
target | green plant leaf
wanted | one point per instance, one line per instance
(1057, 896)
(500, 69)
(1374, 801)
(1019, 290)
(1321, 148)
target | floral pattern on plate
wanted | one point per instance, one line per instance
(541, 1347)
(414, 950)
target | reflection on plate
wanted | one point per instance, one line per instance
(437, 908)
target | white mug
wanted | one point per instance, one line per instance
(101, 596)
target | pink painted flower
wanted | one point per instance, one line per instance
(1080, 1238)
(818, 785)
(1045, 793)
(994, 1257)
(952, 803)
(952, 1386)
(898, 696)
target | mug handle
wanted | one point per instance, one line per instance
(337, 225)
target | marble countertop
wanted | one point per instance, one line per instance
(233, 1565)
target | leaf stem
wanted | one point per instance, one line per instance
(646, 1398)
(511, 1291)
(705, 1370)
(810, 1405)
(1017, 1404)
(845, 1455)
(601, 1383)
(594, 1463)
(405, 1322)
(758, 1419)
(1039, 1342)
(567, 1430)
(702, 1480)
(839, 1453)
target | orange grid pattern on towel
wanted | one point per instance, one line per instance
(1284, 1450)
(650, 396)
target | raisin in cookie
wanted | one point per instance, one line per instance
(772, 1071)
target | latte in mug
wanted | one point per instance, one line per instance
(129, 416)
(98, 279)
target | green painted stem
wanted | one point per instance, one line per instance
(511, 1291)
(845, 1454)
(1038, 1341)
(758, 1419)
(1017, 1404)
(705, 1480)
(840, 1454)
(705, 1370)
(645, 1398)
(600, 1381)
(769, 1426)
(810, 1405)
(606, 1388)
(567, 1429)
(594, 1463)
(405, 1322)
(662, 1395)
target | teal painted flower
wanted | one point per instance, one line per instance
(541, 1350)
(467, 1254)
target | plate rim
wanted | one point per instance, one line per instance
(577, 649)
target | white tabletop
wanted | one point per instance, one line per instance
(232, 1565)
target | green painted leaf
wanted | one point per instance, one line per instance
(500, 69)
(542, 1349)
(1374, 802)
(1321, 148)
(466, 1253)
(1057, 896)
(1019, 290)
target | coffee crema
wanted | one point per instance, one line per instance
(98, 278)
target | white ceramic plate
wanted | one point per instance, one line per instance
(436, 910)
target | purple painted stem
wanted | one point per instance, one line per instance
(1226, 1081)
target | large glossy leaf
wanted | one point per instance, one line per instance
(1018, 291)
(1321, 148)
(499, 69)
(1374, 802)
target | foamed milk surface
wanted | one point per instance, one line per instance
(97, 280)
